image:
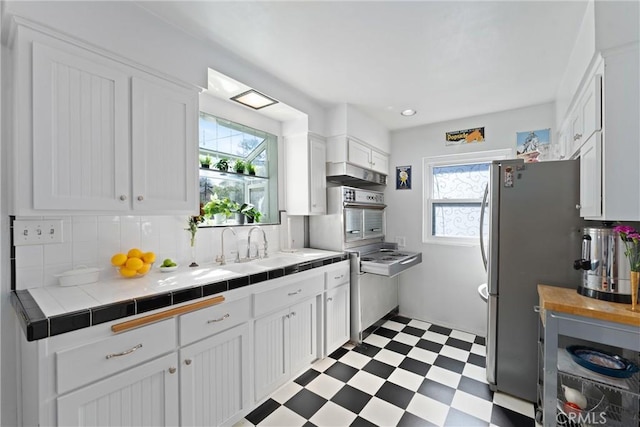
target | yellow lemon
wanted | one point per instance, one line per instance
(118, 259)
(149, 257)
(144, 269)
(127, 272)
(134, 253)
(134, 263)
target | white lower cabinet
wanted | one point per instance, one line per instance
(214, 378)
(285, 341)
(337, 317)
(146, 395)
(207, 367)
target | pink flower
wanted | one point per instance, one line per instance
(635, 235)
(624, 229)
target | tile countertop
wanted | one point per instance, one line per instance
(53, 310)
(568, 301)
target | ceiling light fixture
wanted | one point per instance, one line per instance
(254, 99)
(408, 112)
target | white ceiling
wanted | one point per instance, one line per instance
(445, 59)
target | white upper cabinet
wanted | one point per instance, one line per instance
(94, 134)
(164, 146)
(305, 169)
(348, 149)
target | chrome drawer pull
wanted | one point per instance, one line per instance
(124, 353)
(408, 261)
(295, 293)
(218, 320)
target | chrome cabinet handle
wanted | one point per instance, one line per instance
(577, 136)
(187, 361)
(329, 299)
(226, 316)
(376, 229)
(123, 197)
(140, 198)
(293, 313)
(536, 309)
(295, 293)
(172, 370)
(124, 353)
(408, 261)
(354, 231)
(578, 207)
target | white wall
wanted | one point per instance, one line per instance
(345, 119)
(443, 289)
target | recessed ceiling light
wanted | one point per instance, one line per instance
(254, 99)
(408, 112)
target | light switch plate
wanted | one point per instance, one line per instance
(401, 241)
(37, 232)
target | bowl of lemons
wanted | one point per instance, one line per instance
(134, 263)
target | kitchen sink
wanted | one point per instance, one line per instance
(241, 268)
(277, 261)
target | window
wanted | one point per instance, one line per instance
(454, 188)
(238, 144)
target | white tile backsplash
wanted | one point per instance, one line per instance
(92, 241)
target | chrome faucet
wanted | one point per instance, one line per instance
(264, 237)
(221, 259)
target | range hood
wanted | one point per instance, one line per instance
(350, 174)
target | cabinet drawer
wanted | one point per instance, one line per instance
(267, 301)
(95, 360)
(337, 276)
(208, 321)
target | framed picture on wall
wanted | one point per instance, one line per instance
(403, 177)
(534, 145)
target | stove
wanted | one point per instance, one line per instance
(385, 259)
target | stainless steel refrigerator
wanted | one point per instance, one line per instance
(535, 233)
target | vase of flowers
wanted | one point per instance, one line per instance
(631, 239)
(193, 222)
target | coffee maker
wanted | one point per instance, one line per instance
(605, 270)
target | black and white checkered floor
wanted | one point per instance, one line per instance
(407, 373)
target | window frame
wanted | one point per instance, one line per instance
(428, 164)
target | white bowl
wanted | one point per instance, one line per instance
(79, 276)
(168, 269)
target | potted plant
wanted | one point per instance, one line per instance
(251, 169)
(222, 164)
(205, 161)
(239, 166)
(217, 208)
(252, 214)
(236, 209)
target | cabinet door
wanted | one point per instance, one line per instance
(81, 139)
(271, 354)
(359, 154)
(214, 378)
(379, 162)
(591, 108)
(303, 330)
(164, 147)
(143, 396)
(317, 176)
(591, 178)
(337, 316)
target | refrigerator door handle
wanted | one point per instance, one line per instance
(491, 342)
(483, 208)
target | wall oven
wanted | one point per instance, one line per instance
(355, 223)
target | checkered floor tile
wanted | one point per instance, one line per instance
(407, 373)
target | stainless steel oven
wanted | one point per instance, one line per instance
(355, 223)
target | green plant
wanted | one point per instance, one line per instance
(218, 206)
(205, 161)
(239, 166)
(251, 212)
(222, 164)
(251, 169)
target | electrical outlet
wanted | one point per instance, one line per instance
(401, 241)
(37, 232)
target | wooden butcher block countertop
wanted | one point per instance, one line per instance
(569, 301)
